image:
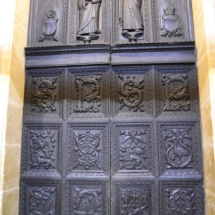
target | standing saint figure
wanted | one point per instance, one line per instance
(132, 20)
(89, 20)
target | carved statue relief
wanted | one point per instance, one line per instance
(88, 28)
(42, 200)
(170, 25)
(131, 20)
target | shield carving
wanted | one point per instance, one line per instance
(170, 23)
(49, 26)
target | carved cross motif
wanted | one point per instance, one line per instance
(133, 149)
(175, 92)
(88, 91)
(178, 148)
(180, 201)
(42, 201)
(134, 201)
(87, 201)
(87, 148)
(44, 94)
(131, 93)
(42, 149)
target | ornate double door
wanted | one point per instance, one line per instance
(111, 120)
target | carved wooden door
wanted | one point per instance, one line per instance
(111, 115)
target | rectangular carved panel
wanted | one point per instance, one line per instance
(181, 198)
(41, 149)
(88, 149)
(88, 92)
(48, 23)
(87, 197)
(43, 94)
(40, 197)
(176, 91)
(131, 92)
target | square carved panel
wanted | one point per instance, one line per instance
(41, 149)
(88, 148)
(133, 197)
(88, 92)
(87, 197)
(179, 148)
(40, 197)
(172, 20)
(44, 94)
(177, 91)
(181, 198)
(48, 23)
(131, 92)
(132, 149)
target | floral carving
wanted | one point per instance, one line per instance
(178, 148)
(175, 92)
(180, 201)
(134, 201)
(42, 201)
(88, 91)
(133, 149)
(44, 95)
(87, 201)
(87, 148)
(131, 93)
(42, 149)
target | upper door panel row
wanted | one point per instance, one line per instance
(65, 22)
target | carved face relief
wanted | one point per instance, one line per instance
(88, 94)
(176, 93)
(131, 93)
(44, 94)
(180, 200)
(42, 200)
(133, 149)
(87, 150)
(87, 200)
(43, 149)
(134, 200)
(178, 148)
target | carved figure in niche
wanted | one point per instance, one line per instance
(87, 148)
(131, 93)
(170, 23)
(88, 90)
(42, 149)
(87, 201)
(42, 201)
(175, 92)
(180, 201)
(49, 27)
(132, 20)
(89, 20)
(44, 95)
(134, 201)
(178, 148)
(133, 149)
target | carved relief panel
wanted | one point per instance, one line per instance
(179, 149)
(131, 92)
(87, 197)
(173, 20)
(88, 148)
(177, 91)
(133, 197)
(48, 23)
(40, 197)
(181, 198)
(41, 150)
(44, 91)
(88, 93)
